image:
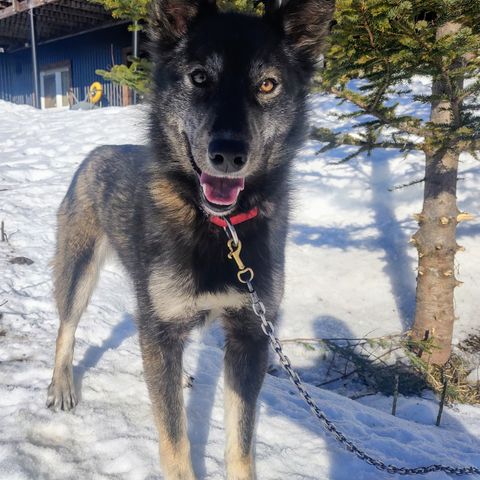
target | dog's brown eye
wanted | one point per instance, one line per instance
(199, 78)
(267, 86)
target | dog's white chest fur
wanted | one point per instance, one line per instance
(173, 296)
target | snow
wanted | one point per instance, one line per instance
(350, 273)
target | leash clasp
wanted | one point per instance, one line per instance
(244, 274)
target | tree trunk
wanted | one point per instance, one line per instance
(436, 244)
(436, 238)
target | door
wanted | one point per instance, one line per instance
(54, 85)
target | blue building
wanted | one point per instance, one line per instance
(54, 47)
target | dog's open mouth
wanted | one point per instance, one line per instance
(220, 194)
(221, 191)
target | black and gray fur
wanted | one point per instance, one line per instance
(146, 204)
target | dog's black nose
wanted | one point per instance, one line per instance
(227, 156)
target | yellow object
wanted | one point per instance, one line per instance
(95, 92)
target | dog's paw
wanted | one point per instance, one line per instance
(187, 380)
(241, 468)
(61, 395)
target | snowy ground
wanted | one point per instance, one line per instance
(350, 273)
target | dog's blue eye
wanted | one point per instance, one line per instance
(199, 78)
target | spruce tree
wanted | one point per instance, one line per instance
(377, 46)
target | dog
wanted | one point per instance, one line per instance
(228, 113)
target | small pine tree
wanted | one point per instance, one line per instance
(137, 74)
(134, 10)
(382, 44)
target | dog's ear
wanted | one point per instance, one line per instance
(305, 23)
(169, 19)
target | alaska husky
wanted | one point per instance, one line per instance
(227, 116)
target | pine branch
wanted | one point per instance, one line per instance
(337, 140)
(471, 145)
(382, 89)
(474, 145)
(383, 116)
(351, 156)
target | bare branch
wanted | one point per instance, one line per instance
(409, 184)
(341, 339)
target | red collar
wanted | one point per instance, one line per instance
(235, 219)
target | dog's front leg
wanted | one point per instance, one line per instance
(246, 356)
(162, 349)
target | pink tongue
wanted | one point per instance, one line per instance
(221, 191)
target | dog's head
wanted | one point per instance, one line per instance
(229, 94)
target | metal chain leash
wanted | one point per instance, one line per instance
(245, 275)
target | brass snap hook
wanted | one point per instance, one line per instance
(244, 274)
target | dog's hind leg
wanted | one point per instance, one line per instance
(246, 356)
(81, 248)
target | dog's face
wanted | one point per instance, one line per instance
(229, 92)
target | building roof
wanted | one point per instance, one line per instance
(53, 19)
